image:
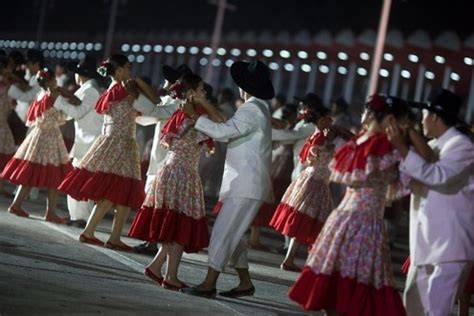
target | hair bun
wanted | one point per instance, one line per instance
(105, 68)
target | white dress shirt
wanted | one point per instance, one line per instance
(87, 122)
(24, 98)
(442, 209)
(249, 151)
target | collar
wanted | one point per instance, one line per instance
(451, 132)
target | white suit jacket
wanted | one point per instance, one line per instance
(442, 209)
(23, 99)
(298, 136)
(87, 122)
(160, 114)
(249, 151)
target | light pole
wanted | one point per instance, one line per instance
(377, 60)
(39, 31)
(216, 34)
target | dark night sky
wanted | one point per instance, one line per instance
(91, 16)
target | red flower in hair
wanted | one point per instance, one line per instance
(376, 102)
(43, 73)
(176, 90)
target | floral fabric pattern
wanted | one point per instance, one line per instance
(116, 150)
(177, 185)
(7, 143)
(44, 144)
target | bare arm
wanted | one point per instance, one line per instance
(147, 91)
(421, 146)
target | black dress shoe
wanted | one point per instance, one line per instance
(146, 249)
(238, 293)
(197, 292)
(77, 223)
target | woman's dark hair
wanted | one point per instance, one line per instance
(190, 81)
(43, 76)
(110, 65)
(315, 113)
(381, 105)
(289, 111)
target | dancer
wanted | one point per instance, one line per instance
(7, 142)
(441, 213)
(246, 183)
(307, 201)
(348, 270)
(109, 173)
(173, 212)
(42, 159)
(88, 126)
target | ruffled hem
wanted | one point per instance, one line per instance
(82, 184)
(344, 295)
(27, 173)
(4, 159)
(164, 225)
(294, 224)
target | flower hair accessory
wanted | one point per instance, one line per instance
(43, 74)
(103, 67)
(177, 90)
(378, 103)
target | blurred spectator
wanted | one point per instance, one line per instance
(225, 102)
(277, 105)
(340, 114)
(60, 73)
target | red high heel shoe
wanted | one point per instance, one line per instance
(153, 276)
(172, 287)
(288, 267)
(90, 240)
(18, 212)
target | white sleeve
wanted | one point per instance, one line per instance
(144, 105)
(289, 135)
(24, 96)
(452, 162)
(77, 111)
(241, 124)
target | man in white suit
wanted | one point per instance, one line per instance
(246, 182)
(441, 211)
(88, 126)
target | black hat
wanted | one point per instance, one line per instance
(85, 67)
(172, 74)
(443, 102)
(34, 56)
(17, 57)
(311, 99)
(253, 78)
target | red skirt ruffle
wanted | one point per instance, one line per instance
(294, 224)
(163, 225)
(27, 173)
(4, 159)
(344, 295)
(82, 184)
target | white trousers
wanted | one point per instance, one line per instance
(148, 182)
(226, 245)
(79, 209)
(433, 289)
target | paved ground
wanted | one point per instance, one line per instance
(44, 270)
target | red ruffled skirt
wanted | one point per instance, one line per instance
(344, 295)
(4, 159)
(82, 184)
(294, 224)
(27, 173)
(164, 225)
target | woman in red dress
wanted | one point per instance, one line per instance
(42, 159)
(307, 202)
(109, 173)
(348, 270)
(173, 212)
